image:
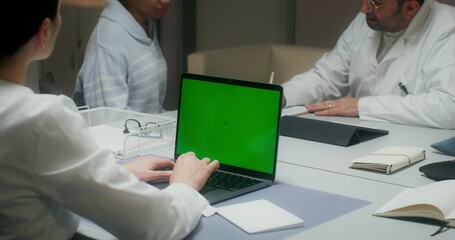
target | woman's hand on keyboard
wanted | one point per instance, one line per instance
(149, 168)
(190, 170)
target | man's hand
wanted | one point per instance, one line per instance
(145, 168)
(341, 107)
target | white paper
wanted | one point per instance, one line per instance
(259, 216)
(294, 111)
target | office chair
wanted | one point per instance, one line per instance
(48, 85)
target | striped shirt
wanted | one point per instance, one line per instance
(123, 68)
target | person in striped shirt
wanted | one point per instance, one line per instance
(123, 65)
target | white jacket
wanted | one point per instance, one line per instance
(423, 59)
(50, 167)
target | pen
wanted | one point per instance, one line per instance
(271, 77)
(403, 88)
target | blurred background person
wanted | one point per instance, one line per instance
(123, 65)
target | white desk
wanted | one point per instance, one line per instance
(326, 168)
(359, 224)
(337, 159)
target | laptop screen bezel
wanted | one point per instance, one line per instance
(231, 81)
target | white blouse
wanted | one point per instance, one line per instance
(50, 167)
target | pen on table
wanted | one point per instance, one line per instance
(403, 88)
(271, 77)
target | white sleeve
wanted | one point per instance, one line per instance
(328, 79)
(85, 179)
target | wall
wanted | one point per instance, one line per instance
(177, 39)
(34, 71)
(194, 25)
(320, 23)
(65, 61)
(225, 23)
(450, 2)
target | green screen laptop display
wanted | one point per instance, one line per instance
(235, 122)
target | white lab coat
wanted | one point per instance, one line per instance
(423, 59)
(50, 166)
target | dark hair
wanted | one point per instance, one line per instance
(20, 20)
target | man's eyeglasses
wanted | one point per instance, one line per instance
(373, 5)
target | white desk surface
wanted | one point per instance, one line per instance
(337, 159)
(326, 168)
(359, 224)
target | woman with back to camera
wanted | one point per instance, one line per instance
(52, 169)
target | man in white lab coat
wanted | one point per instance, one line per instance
(396, 58)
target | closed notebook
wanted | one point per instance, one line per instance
(259, 216)
(389, 159)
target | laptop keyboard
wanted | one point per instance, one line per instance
(229, 182)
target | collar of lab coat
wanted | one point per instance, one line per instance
(410, 33)
(416, 24)
(419, 20)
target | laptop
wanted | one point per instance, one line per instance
(235, 122)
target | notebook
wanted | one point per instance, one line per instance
(235, 122)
